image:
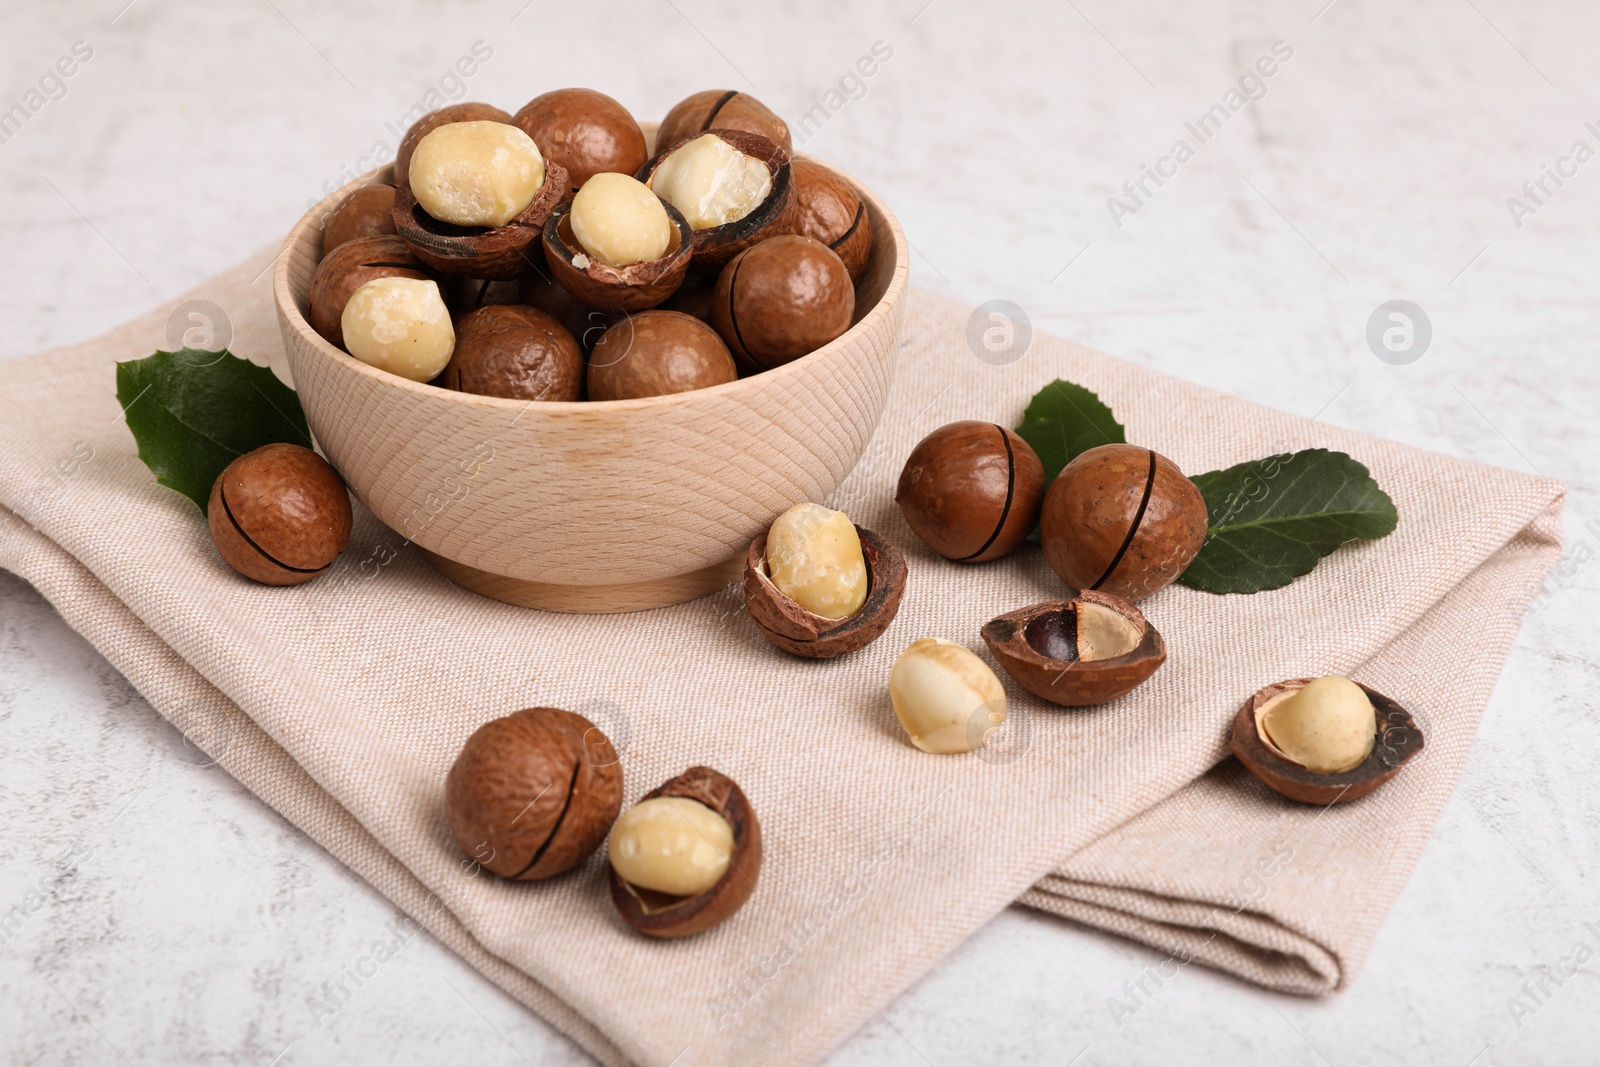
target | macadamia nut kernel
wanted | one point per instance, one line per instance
(712, 182)
(1328, 725)
(947, 698)
(476, 173)
(618, 220)
(400, 325)
(1104, 633)
(814, 558)
(672, 845)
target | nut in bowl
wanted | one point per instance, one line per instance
(594, 506)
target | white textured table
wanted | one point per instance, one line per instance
(176, 918)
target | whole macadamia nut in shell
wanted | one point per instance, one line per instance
(279, 515)
(781, 299)
(515, 351)
(1123, 520)
(971, 491)
(587, 132)
(829, 209)
(533, 794)
(723, 109)
(654, 353)
(367, 212)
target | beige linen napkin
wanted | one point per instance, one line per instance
(342, 702)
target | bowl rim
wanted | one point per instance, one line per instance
(289, 309)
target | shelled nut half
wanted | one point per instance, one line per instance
(796, 630)
(714, 245)
(663, 915)
(1089, 649)
(533, 793)
(494, 252)
(1395, 739)
(346, 269)
(634, 287)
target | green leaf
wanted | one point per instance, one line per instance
(1063, 420)
(1272, 519)
(194, 412)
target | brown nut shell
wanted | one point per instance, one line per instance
(723, 109)
(1038, 646)
(655, 353)
(587, 132)
(971, 491)
(495, 252)
(782, 299)
(794, 629)
(279, 515)
(367, 212)
(1398, 740)
(534, 793)
(463, 295)
(514, 351)
(828, 208)
(1123, 520)
(346, 269)
(715, 245)
(466, 111)
(637, 286)
(660, 915)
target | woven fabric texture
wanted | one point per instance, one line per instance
(342, 703)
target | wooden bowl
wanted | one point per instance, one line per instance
(605, 506)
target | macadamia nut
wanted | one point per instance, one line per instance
(672, 845)
(947, 698)
(1104, 633)
(712, 182)
(476, 173)
(1328, 725)
(618, 220)
(400, 325)
(814, 558)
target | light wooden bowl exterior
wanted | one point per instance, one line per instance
(595, 507)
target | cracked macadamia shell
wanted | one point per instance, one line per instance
(791, 627)
(971, 491)
(668, 914)
(534, 793)
(279, 515)
(1123, 520)
(1086, 650)
(1386, 729)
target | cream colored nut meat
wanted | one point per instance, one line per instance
(618, 220)
(947, 698)
(476, 173)
(672, 845)
(814, 558)
(399, 325)
(1103, 633)
(712, 182)
(1328, 725)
